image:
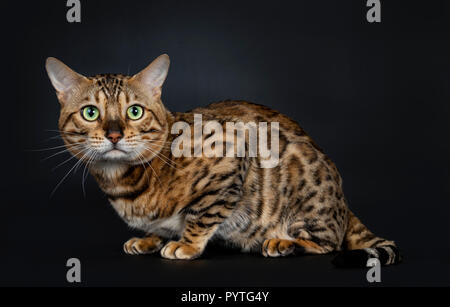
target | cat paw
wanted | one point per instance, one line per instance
(277, 247)
(141, 246)
(180, 250)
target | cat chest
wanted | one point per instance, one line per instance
(139, 217)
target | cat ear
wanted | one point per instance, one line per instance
(152, 78)
(64, 79)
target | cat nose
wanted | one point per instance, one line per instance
(114, 136)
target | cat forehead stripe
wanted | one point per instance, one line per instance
(110, 84)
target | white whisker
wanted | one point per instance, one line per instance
(161, 156)
(71, 158)
(84, 176)
(153, 170)
(63, 151)
(56, 147)
(62, 180)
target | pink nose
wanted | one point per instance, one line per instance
(114, 137)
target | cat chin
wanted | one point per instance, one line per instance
(115, 155)
(114, 161)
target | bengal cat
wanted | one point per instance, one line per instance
(119, 126)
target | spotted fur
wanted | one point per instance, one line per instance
(184, 202)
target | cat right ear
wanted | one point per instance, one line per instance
(152, 78)
(64, 80)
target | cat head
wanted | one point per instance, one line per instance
(112, 118)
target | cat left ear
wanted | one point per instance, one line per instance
(64, 80)
(152, 78)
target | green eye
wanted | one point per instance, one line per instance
(90, 113)
(135, 112)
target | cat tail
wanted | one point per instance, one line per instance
(360, 244)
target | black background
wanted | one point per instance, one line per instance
(374, 96)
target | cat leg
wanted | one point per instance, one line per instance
(301, 241)
(200, 227)
(277, 247)
(284, 247)
(140, 246)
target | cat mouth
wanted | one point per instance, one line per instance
(115, 153)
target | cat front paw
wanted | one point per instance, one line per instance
(277, 247)
(141, 246)
(180, 250)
